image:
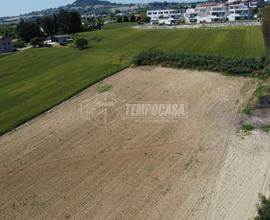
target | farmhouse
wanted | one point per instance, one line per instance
(62, 38)
(5, 45)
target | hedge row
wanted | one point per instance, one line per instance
(231, 65)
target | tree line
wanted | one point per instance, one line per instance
(142, 18)
(65, 22)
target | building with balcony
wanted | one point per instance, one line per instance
(167, 17)
(239, 12)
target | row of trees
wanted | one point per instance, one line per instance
(93, 23)
(142, 18)
(65, 22)
(8, 31)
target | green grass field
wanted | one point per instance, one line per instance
(37, 79)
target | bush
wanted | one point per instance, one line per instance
(263, 209)
(247, 127)
(81, 43)
(125, 19)
(37, 42)
(119, 19)
(231, 65)
(19, 43)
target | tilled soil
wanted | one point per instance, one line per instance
(66, 165)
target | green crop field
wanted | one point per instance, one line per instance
(37, 79)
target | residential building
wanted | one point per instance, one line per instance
(168, 17)
(211, 13)
(5, 45)
(218, 13)
(231, 10)
(239, 12)
(191, 15)
(206, 13)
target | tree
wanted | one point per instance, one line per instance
(27, 30)
(19, 43)
(8, 31)
(48, 25)
(132, 18)
(100, 21)
(125, 19)
(37, 42)
(81, 43)
(143, 18)
(69, 22)
(119, 19)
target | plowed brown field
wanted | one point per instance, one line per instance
(62, 166)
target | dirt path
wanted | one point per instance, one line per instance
(62, 166)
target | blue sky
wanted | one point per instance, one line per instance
(16, 7)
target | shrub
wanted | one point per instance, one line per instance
(247, 127)
(119, 19)
(263, 209)
(125, 19)
(266, 128)
(231, 65)
(81, 43)
(19, 43)
(37, 42)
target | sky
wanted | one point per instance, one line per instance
(17, 7)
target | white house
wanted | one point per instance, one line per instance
(191, 15)
(218, 13)
(231, 10)
(5, 45)
(206, 13)
(168, 17)
(239, 12)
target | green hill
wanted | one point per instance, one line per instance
(91, 2)
(37, 79)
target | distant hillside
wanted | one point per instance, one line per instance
(91, 2)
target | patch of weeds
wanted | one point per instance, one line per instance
(247, 127)
(262, 90)
(248, 110)
(266, 128)
(263, 209)
(254, 102)
(104, 88)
